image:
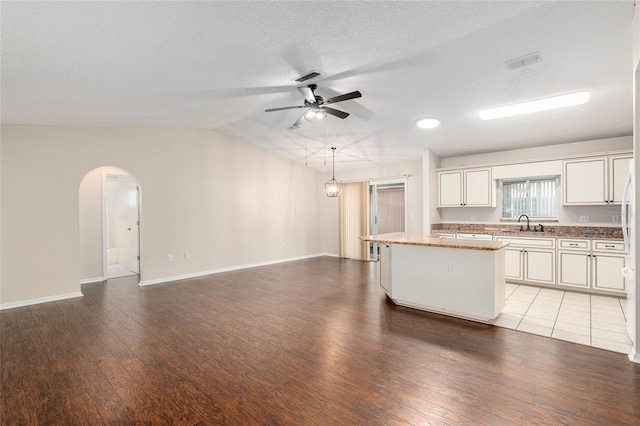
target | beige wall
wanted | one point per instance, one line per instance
(226, 203)
(90, 223)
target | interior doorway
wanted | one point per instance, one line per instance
(388, 209)
(121, 225)
(109, 220)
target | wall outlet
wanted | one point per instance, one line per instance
(448, 268)
(584, 218)
(473, 218)
(169, 258)
(615, 219)
(187, 256)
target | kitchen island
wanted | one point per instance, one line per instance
(461, 278)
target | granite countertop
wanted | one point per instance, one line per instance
(593, 232)
(433, 241)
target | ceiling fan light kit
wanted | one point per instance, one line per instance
(315, 114)
(544, 104)
(317, 105)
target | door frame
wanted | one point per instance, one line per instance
(106, 173)
(373, 200)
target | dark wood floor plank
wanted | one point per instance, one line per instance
(311, 342)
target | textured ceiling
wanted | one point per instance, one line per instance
(219, 65)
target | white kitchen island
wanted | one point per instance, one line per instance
(461, 278)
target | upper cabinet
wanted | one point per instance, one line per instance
(464, 188)
(595, 180)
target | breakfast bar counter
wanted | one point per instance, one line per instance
(461, 278)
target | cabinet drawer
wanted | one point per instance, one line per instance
(608, 245)
(528, 242)
(567, 244)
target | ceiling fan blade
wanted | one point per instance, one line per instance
(299, 121)
(280, 109)
(308, 94)
(344, 97)
(335, 112)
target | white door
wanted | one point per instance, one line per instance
(574, 269)
(121, 225)
(540, 266)
(477, 187)
(606, 272)
(450, 189)
(513, 263)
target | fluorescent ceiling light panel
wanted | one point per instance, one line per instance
(535, 106)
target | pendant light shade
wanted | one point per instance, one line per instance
(331, 187)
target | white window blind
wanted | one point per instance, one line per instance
(533, 197)
(390, 210)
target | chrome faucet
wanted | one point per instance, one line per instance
(528, 228)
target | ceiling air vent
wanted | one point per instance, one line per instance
(307, 76)
(523, 61)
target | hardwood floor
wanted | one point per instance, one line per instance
(311, 342)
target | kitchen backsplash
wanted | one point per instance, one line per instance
(604, 232)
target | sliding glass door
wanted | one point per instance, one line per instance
(388, 209)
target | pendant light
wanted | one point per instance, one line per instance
(331, 187)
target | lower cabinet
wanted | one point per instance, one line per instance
(591, 264)
(530, 259)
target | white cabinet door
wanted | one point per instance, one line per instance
(450, 189)
(459, 188)
(574, 269)
(540, 266)
(606, 272)
(513, 264)
(618, 171)
(385, 268)
(477, 188)
(585, 181)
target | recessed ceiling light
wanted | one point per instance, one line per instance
(428, 123)
(535, 106)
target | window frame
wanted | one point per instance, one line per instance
(527, 181)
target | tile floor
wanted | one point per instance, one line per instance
(592, 320)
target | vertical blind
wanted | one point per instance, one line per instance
(533, 197)
(390, 210)
(353, 221)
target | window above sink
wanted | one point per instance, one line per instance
(535, 197)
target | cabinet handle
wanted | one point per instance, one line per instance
(573, 244)
(609, 246)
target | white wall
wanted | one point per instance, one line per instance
(598, 215)
(225, 202)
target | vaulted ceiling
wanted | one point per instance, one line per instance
(219, 65)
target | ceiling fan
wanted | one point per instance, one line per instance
(317, 105)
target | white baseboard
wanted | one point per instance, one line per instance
(92, 280)
(634, 358)
(22, 303)
(228, 269)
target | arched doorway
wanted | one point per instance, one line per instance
(109, 225)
